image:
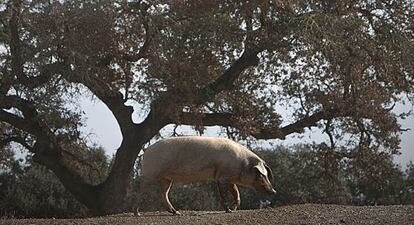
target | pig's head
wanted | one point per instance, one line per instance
(259, 177)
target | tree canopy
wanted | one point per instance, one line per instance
(339, 65)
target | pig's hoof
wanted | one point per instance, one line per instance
(229, 210)
(234, 207)
(136, 213)
(175, 212)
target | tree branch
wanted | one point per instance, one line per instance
(45, 74)
(16, 139)
(208, 119)
(113, 99)
(17, 122)
(47, 149)
(298, 126)
(144, 48)
(226, 80)
(164, 109)
(17, 62)
(164, 105)
(141, 7)
(230, 120)
(15, 45)
(49, 155)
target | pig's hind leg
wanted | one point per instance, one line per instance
(147, 193)
(165, 189)
(224, 188)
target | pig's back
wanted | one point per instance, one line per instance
(186, 159)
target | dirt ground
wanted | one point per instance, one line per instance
(295, 214)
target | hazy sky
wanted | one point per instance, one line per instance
(105, 131)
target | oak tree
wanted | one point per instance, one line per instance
(339, 65)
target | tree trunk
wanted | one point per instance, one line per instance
(105, 198)
(111, 193)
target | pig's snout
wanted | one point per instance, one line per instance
(266, 190)
(269, 191)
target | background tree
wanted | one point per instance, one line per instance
(408, 195)
(309, 174)
(31, 190)
(340, 65)
(374, 179)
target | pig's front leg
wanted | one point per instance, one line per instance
(223, 187)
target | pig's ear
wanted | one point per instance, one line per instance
(269, 173)
(260, 169)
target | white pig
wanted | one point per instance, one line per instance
(191, 158)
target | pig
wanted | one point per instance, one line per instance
(193, 159)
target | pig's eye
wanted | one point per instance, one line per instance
(260, 177)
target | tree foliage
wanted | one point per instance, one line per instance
(31, 190)
(340, 65)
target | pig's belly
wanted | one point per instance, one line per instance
(187, 176)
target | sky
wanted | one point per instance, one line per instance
(105, 132)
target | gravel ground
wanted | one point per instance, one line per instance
(295, 214)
